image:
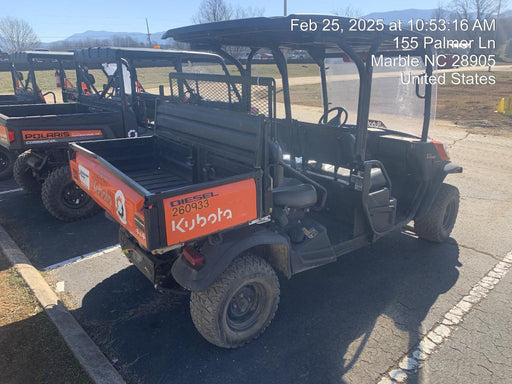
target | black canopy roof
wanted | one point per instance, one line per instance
(269, 32)
(104, 54)
(26, 56)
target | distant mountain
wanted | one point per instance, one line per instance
(404, 15)
(106, 35)
(114, 38)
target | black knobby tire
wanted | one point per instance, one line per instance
(437, 224)
(64, 199)
(7, 159)
(239, 305)
(23, 174)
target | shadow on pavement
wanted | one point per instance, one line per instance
(8, 185)
(322, 313)
(46, 240)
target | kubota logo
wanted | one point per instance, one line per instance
(120, 206)
(199, 221)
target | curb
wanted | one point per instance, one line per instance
(90, 357)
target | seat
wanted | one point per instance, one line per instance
(377, 179)
(294, 194)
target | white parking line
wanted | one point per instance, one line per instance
(89, 255)
(451, 320)
(11, 191)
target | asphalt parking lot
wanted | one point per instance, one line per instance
(347, 322)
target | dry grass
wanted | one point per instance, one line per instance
(32, 349)
(474, 106)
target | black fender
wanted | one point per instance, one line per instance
(217, 257)
(434, 187)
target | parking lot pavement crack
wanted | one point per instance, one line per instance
(487, 369)
(497, 258)
(459, 140)
(486, 198)
(431, 343)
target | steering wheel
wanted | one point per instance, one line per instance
(336, 120)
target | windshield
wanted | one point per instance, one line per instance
(343, 86)
(397, 101)
(394, 103)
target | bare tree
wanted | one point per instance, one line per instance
(441, 12)
(213, 10)
(348, 11)
(242, 13)
(219, 10)
(16, 35)
(477, 9)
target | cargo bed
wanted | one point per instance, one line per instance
(57, 124)
(200, 174)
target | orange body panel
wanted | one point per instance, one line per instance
(120, 201)
(210, 210)
(4, 133)
(52, 136)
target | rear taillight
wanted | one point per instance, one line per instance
(442, 150)
(11, 136)
(193, 256)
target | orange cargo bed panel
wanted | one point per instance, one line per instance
(210, 210)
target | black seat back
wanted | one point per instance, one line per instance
(234, 136)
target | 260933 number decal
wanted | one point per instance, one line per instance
(190, 207)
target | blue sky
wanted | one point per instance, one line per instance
(57, 19)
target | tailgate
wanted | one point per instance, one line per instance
(5, 137)
(206, 211)
(104, 184)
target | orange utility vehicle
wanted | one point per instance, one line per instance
(212, 202)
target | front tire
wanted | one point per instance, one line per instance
(64, 199)
(437, 224)
(239, 305)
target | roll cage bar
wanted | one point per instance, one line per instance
(39, 60)
(92, 58)
(276, 34)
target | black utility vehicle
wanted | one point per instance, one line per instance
(114, 100)
(227, 193)
(27, 90)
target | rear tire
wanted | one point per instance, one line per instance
(23, 174)
(437, 224)
(64, 199)
(239, 305)
(7, 159)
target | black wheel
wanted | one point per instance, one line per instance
(23, 174)
(239, 305)
(64, 199)
(438, 223)
(7, 159)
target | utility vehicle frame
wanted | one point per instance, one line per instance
(120, 108)
(27, 90)
(219, 209)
